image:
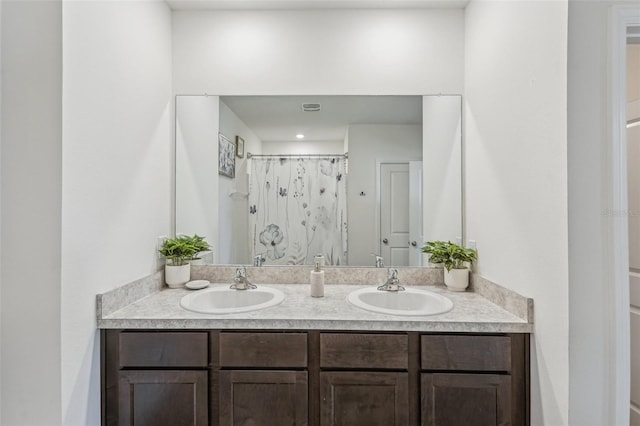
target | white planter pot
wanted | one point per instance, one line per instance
(177, 276)
(456, 279)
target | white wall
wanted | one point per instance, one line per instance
(234, 210)
(370, 144)
(31, 212)
(368, 52)
(197, 126)
(116, 153)
(592, 396)
(390, 52)
(516, 174)
(1, 210)
(116, 172)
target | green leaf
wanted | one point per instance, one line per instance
(181, 249)
(451, 255)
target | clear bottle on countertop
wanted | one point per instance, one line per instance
(317, 281)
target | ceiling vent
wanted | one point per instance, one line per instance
(311, 107)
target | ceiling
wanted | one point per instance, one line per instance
(280, 118)
(313, 4)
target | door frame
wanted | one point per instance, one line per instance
(621, 17)
(378, 216)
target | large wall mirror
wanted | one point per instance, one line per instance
(347, 177)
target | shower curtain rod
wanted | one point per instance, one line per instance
(250, 155)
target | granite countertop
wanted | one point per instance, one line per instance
(472, 312)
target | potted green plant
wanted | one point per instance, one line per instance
(200, 245)
(455, 259)
(178, 252)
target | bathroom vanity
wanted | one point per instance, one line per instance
(238, 377)
(312, 362)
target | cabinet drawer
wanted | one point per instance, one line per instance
(468, 353)
(266, 350)
(379, 351)
(163, 349)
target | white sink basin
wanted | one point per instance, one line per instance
(224, 300)
(411, 301)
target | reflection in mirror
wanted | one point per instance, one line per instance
(345, 177)
(298, 209)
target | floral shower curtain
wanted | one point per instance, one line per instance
(298, 209)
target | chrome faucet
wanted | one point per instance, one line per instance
(379, 260)
(258, 260)
(241, 280)
(393, 283)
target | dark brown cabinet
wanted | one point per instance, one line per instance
(466, 399)
(155, 378)
(364, 379)
(176, 398)
(249, 398)
(263, 350)
(364, 398)
(474, 379)
(233, 378)
(252, 396)
(364, 351)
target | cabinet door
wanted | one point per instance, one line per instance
(263, 398)
(155, 398)
(364, 398)
(466, 399)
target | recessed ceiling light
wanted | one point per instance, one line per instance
(300, 136)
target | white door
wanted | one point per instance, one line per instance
(400, 213)
(633, 173)
(394, 213)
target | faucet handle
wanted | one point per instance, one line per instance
(379, 260)
(393, 273)
(258, 260)
(241, 271)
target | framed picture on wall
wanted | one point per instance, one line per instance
(226, 156)
(239, 147)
